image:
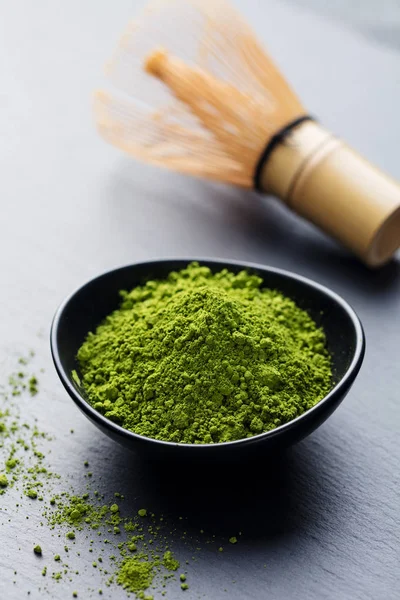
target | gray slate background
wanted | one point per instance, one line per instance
(324, 518)
(377, 19)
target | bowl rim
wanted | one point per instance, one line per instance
(341, 387)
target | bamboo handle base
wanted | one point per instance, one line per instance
(328, 183)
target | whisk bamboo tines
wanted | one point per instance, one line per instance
(196, 92)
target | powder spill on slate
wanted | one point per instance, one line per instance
(141, 560)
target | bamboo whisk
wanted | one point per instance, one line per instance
(216, 106)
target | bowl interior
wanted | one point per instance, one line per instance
(90, 304)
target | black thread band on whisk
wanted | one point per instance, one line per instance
(276, 139)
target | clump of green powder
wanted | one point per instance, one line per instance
(169, 562)
(203, 358)
(135, 575)
(233, 540)
(33, 386)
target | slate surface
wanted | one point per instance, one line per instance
(323, 518)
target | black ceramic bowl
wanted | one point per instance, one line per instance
(87, 307)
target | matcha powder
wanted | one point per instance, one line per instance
(135, 575)
(204, 358)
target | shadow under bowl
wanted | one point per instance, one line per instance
(85, 309)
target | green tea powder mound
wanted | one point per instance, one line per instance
(204, 358)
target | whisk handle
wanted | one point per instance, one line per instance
(328, 183)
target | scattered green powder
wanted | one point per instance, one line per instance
(203, 358)
(151, 565)
(3, 480)
(78, 511)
